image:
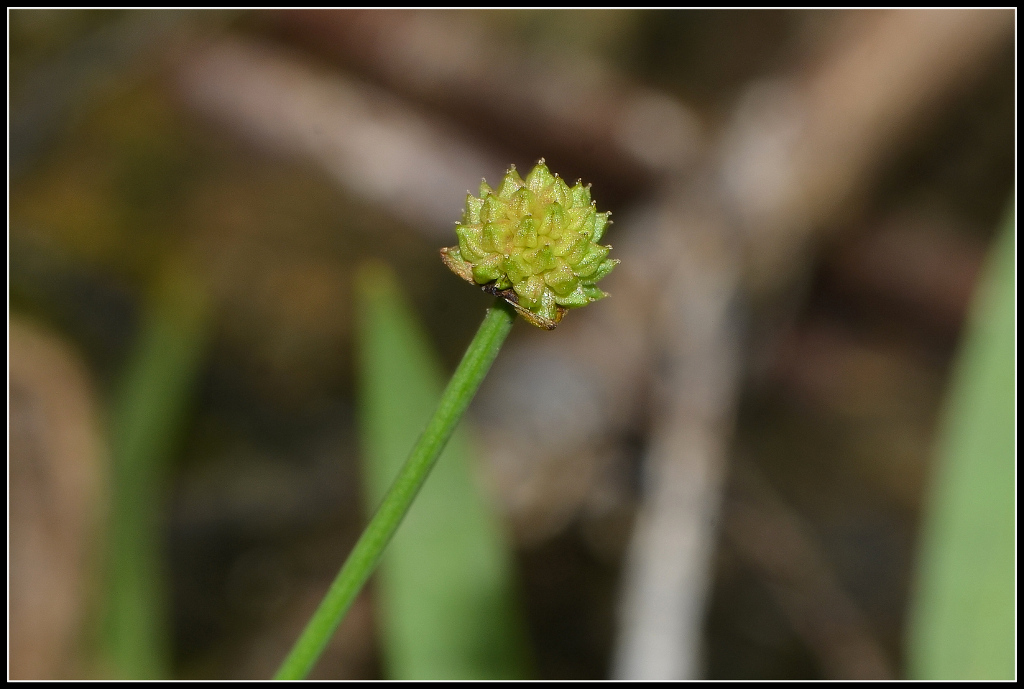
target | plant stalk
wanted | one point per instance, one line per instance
(368, 549)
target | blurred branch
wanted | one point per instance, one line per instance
(697, 342)
(795, 155)
(803, 150)
(368, 140)
(623, 132)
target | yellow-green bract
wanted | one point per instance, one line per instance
(533, 242)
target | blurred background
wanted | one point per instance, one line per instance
(724, 470)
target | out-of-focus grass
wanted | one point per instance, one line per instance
(445, 590)
(963, 617)
(148, 410)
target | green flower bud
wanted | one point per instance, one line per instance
(534, 243)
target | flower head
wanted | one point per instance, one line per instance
(533, 242)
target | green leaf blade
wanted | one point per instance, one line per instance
(962, 623)
(445, 589)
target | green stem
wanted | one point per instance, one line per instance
(367, 552)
